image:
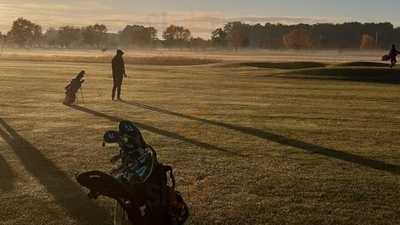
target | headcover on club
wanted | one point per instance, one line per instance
(130, 135)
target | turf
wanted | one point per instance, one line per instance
(133, 60)
(249, 146)
(283, 65)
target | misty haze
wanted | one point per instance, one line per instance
(199, 112)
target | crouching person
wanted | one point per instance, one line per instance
(72, 88)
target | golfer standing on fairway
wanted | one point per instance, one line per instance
(118, 71)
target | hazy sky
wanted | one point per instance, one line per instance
(201, 16)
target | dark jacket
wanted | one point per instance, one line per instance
(118, 67)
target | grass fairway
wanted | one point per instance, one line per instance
(251, 144)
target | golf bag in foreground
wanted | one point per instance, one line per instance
(143, 188)
(72, 88)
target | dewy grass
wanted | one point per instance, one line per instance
(248, 147)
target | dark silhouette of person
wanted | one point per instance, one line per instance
(118, 72)
(393, 56)
(73, 87)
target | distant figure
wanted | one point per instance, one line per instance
(118, 70)
(72, 88)
(393, 56)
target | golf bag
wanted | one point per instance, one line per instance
(72, 88)
(142, 186)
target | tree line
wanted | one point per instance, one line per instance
(233, 35)
(26, 34)
(352, 35)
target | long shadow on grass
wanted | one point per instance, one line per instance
(283, 65)
(313, 148)
(157, 131)
(66, 192)
(358, 74)
(7, 176)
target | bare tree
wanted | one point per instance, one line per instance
(237, 34)
(94, 35)
(137, 35)
(51, 37)
(219, 38)
(3, 40)
(176, 36)
(24, 33)
(297, 39)
(68, 35)
(368, 42)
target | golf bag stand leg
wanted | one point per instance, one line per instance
(120, 217)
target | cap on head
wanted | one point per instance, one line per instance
(120, 52)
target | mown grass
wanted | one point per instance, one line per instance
(249, 146)
(149, 60)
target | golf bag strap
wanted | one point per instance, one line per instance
(171, 174)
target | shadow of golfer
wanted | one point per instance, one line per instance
(277, 138)
(158, 131)
(7, 176)
(66, 192)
